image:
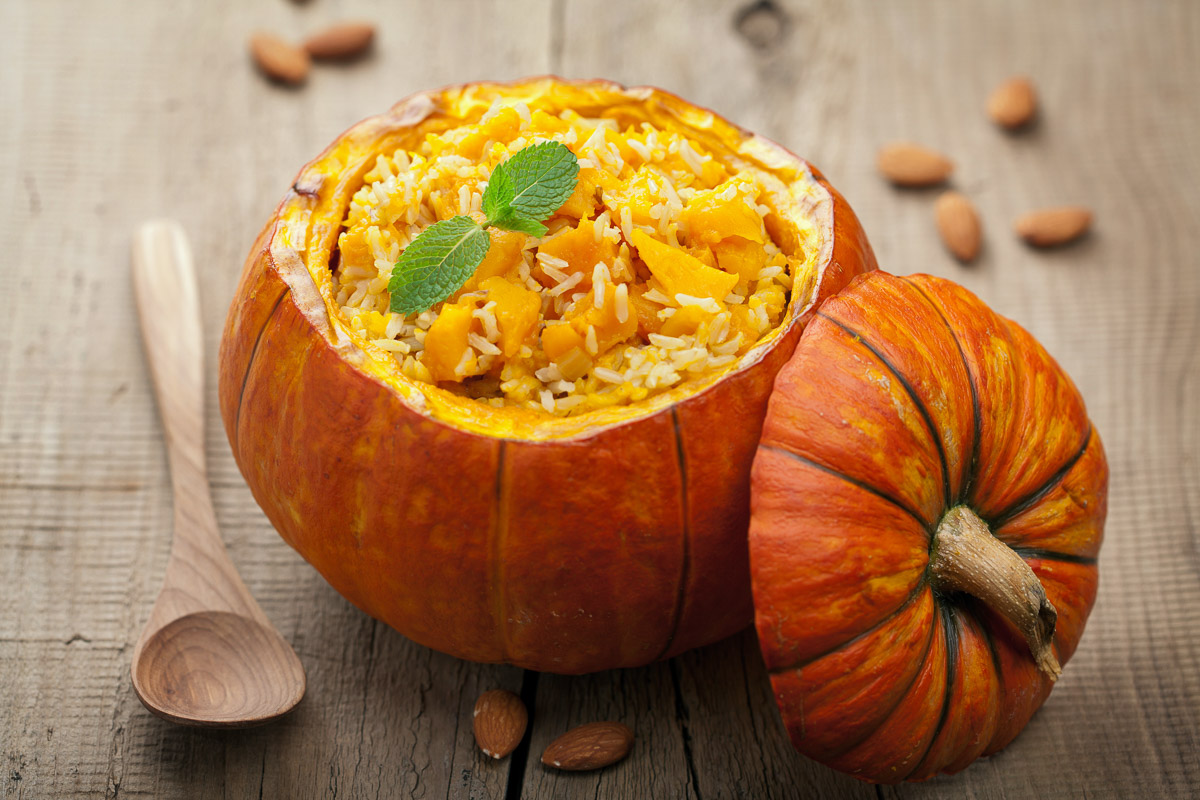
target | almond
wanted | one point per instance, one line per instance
(958, 223)
(590, 746)
(1049, 227)
(907, 164)
(1013, 103)
(342, 41)
(278, 59)
(500, 720)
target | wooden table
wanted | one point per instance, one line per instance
(114, 112)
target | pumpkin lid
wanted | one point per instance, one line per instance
(928, 500)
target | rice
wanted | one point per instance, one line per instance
(487, 318)
(621, 301)
(691, 157)
(600, 279)
(608, 375)
(655, 296)
(729, 347)
(392, 345)
(639, 148)
(768, 272)
(482, 345)
(655, 181)
(395, 324)
(626, 223)
(665, 342)
(567, 285)
(706, 303)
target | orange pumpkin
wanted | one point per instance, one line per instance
(927, 510)
(609, 539)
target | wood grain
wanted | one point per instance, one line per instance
(115, 112)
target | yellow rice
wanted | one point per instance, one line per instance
(646, 181)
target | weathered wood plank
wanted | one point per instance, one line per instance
(833, 82)
(115, 111)
(739, 747)
(124, 113)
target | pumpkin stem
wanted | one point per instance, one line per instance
(965, 557)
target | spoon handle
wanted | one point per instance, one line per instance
(168, 303)
(200, 574)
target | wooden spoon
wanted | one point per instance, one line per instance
(208, 656)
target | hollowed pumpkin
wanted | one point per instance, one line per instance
(927, 510)
(607, 539)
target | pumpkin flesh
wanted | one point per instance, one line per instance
(580, 271)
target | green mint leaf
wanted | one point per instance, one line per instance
(534, 182)
(498, 194)
(528, 187)
(519, 224)
(437, 263)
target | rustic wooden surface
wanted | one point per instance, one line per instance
(113, 112)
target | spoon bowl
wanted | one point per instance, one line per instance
(208, 655)
(218, 669)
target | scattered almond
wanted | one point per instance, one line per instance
(1013, 103)
(590, 746)
(1049, 227)
(907, 164)
(342, 41)
(958, 223)
(278, 59)
(500, 720)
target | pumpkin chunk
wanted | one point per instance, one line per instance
(374, 323)
(639, 194)
(680, 273)
(686, 320)
(503, 256)
(579, 248)
(558, 340)
(609, 329)
(706, 256)
(582, 202)
(502, 127)
(516, 312)
(711, 216)
(741, 321)
(446, 342)
(354, 250)
(740, 256)
(574, 364)
(648, 321)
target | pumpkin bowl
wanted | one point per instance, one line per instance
(568, 543)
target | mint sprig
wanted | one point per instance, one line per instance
(519, 224)
(436, 263)
(522, 191)
(533, 184)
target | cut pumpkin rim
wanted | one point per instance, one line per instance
(310, 216)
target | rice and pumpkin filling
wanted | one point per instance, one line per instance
(658, 270)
